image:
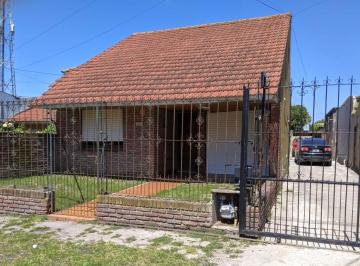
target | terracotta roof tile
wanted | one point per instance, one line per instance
(33, 115)
(201, 61)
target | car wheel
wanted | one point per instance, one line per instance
(328, 163)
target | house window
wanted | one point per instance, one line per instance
(108, 128)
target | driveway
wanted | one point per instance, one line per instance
(318, 209)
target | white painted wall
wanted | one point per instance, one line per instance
(11, 105)
(224, 135)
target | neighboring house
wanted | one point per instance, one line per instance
(342, 129)
(165, 103)
(34, 119)
(10, 105)
(330, 129)
(7, 108)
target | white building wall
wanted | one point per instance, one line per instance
(11, 105)
(223, 147)
(345, 125)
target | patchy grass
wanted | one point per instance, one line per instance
(88, 231)
(26, 241)
(66, 189)
(25, 248)
(130, 239)
(163, 240)
(39, 229)
(116, 236)
(200, 192)
(215, 242)
(23, 222)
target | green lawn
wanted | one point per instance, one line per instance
(200, 192)
(67, 193)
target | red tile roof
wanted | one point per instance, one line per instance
(206, 61)
(34, 115)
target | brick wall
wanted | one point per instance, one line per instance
(274, 141)
(149, 147)
(259, 212)
(26, 201)
(133, 157)
(23, 154)
(153, 212)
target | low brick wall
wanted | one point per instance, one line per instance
(257, 216)
(152, 212)
(26, 201)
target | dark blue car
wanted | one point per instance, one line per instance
(313, 150)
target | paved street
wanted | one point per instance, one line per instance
(317, 209)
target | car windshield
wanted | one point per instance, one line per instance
(313, 141)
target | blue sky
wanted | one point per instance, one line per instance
(55, 35)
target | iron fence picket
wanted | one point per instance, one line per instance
(170, 149)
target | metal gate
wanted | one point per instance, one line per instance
(315, 195)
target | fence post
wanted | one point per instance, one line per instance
(358, 210)
(243, 160)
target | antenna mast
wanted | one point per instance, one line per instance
(7, 77)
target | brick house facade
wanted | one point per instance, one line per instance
(163, 77)
(154, 146)
(150, 147)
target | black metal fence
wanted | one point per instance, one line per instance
(318, 198)
(179, 150)
(291, 185)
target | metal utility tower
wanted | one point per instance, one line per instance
(7, 32)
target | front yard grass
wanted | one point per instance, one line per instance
(24, 248)
(67, 193)
(21, 244)
(198, 192)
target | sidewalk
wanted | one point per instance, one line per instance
(194, 248)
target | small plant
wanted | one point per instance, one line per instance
(20, 129)
(7, 127)
(11, 127)
(50, 129)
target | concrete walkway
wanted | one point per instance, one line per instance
(87, 211)
(148, 189)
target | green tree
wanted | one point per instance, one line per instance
(300, 117)
(317, 125)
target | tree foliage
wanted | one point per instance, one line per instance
(317, 125)
(300, 117)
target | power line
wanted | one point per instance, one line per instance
(35, 79)
(55, 25)
(97, 35)
(265, 4)
(36, 72)
(294, 34)
(299, 52)
(309, 7)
